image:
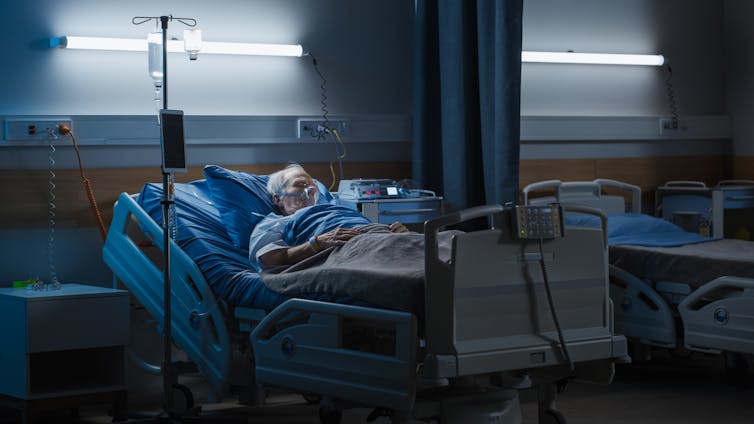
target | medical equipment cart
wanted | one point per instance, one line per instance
(383, 201)
(409, 211)
(63, 348)
(724, 210)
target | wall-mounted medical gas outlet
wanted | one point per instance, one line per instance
(669, 126)
(33, 129)
(316, 128)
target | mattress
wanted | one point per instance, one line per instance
(692, 264)
(654, 249)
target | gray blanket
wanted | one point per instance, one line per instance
(378, 268)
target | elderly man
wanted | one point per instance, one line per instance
(276, 240)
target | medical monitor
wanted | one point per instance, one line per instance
(172, 141)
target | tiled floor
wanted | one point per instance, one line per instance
(664, 390)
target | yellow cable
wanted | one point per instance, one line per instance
(342, 156)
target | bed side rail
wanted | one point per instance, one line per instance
(717, 316)
(197, 325)
(306, 345)
(642, 312)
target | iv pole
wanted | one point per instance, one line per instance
(169, 377)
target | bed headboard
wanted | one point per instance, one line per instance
(585, 193)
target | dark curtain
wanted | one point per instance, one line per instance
(467, 85)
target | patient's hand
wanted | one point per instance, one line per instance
(336, 237)
(397, 227)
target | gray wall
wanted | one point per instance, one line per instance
(363, 48)
(689, 34)
(616, 110)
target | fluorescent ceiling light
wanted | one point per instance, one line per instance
(592, 58)
(176, 46)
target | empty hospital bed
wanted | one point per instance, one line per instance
(479, 329)
(672, 289)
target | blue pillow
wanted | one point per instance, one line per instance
(195, 214)
(243, 200)
(644, 230)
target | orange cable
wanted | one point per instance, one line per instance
(64, 130)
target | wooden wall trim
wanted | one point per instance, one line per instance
(743, 168)
(25, 193)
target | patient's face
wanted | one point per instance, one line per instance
(299, 192)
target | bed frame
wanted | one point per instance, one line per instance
(714, 318)
(485, 314)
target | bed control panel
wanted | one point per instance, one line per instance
(539, 221)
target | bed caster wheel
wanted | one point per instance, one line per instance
(330, 416)
(552, 416)
(183, 400)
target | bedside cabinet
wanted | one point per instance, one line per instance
(62, 348)
(726, 209)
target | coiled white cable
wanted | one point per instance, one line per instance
(51, 211)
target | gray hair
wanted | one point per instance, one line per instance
(277, 182)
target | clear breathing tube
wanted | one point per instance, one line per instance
(157, 99)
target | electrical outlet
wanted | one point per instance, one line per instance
(668, 126)
(33, 129)
(315, 128)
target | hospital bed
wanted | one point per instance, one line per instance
(673, 289)
(480, 329)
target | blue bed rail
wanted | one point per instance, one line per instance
(315, 360)
(198, 325)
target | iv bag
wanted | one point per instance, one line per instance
(154, 53)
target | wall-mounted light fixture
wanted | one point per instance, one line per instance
(593, 58)
(176, 46)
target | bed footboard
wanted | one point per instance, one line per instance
(324, 348)
(198, 325)
(487, 306)
(718, 316)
